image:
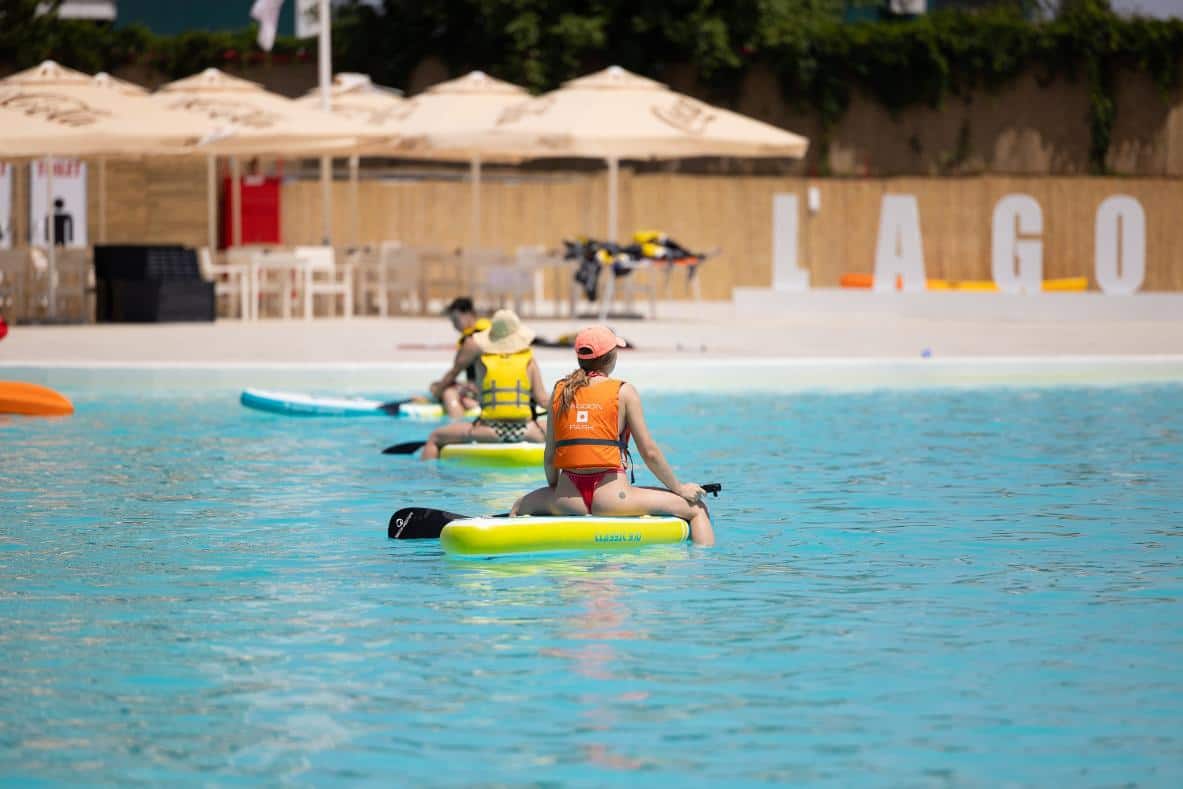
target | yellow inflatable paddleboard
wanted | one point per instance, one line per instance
(548, 534)
(517, 454)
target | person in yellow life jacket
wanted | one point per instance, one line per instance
(456, 396)
(508, 383)
(592, 417)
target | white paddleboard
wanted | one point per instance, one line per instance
(298, 404)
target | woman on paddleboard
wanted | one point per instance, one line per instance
(509, 383)
(592, 417)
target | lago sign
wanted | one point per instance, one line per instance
(1016, 245)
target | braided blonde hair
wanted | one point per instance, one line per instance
(579, 378)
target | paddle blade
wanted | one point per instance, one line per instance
(405, 448)
(419, 523)
(392, 407)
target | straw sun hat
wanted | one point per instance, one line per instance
(506, 334)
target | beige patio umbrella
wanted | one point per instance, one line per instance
(50, 121)
(35, 123)
(103, 79)
(50, 111)
(244, 118)
(356, 97)
(614, 114)
(89, 117)
(470, 104)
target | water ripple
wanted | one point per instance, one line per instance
(933, 587)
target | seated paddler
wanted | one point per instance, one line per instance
(592, 418)
(509, 387)
(455, 395)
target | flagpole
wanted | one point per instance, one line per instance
(325, 63)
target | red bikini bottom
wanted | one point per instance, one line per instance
(587, 482)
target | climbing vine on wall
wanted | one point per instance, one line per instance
(91, 47)
(819, 59)
(925, 60)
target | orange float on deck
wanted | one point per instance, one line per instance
(18, 397)
(856, 280)
(866, 281)
(1066, 284)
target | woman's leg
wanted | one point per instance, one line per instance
(459, 433)
(620, 498)
(452, 400)
(536, 502)
(454, 433)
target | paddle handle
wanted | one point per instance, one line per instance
(712, 488)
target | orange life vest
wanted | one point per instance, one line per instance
(587, 433)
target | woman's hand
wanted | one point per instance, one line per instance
(691, 492)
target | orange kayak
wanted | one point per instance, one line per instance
(17, 397)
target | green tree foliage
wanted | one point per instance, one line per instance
(820, 60)
(28, 37)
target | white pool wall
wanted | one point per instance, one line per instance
(669, 374)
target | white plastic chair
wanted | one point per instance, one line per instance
(497, 279)
(322, 276)
(232, 281)
(70, 285)
(640, 278)
(14, 278)
(539, 260)
(263, 278)
(443, 274)
(394, 278)
(75, 286)
(510, 283)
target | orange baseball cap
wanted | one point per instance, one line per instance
(595, 341)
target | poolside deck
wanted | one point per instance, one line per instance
(685, 330)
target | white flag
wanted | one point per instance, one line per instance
(267, 14)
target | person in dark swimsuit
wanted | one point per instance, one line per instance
(456, 396)
(592, 419)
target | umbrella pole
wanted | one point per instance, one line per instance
(324, 55)
(609, 291)
(211, 203)
(474, 230)
(51, 230)
(326, 200)
(613, 190)
(102, 201)
(355, 226)
(236, 215)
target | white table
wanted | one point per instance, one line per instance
(228, 273)
(290, 266)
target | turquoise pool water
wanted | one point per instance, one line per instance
(972, 587)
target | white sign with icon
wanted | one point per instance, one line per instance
(69, 203)
(5, 205)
